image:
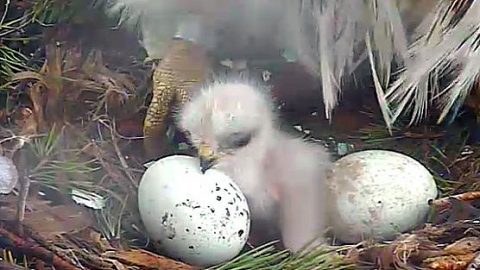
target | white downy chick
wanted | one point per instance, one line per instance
(233, 125)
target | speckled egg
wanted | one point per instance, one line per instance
(378, 194)
(200, 219)
(8, 175)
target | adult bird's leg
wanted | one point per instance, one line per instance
(155, 123)
(184, 66)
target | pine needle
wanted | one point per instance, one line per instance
(263, 257)
(49, 159)
(266, 257)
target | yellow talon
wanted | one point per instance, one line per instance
(184, 66)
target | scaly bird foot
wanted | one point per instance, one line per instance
(179, 74)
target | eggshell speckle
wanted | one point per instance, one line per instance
(378, 194)
(201, 219)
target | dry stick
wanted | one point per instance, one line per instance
(445, 201)
(148, 260)
(22, 198)
(37, 251)
(24, 188)
(86, 260)
(123, 162)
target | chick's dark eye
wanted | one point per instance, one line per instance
(237, 140)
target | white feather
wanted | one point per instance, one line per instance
(432, 55)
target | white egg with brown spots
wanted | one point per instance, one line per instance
(200, 219)
(378, 194)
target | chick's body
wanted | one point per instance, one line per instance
(281, 176)
(284, 186)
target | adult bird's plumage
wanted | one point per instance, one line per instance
(234, 126)
(324, 36)
(420, 42)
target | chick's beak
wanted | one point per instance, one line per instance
(207, 157)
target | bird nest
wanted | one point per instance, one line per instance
(76, 209)
(72, 129)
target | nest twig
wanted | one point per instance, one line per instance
(34, 250)
(446, 201)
